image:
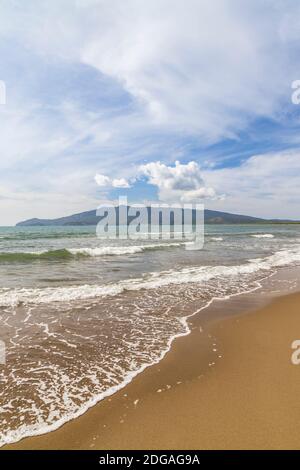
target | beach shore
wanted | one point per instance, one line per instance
(229, 384)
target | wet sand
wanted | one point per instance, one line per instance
(230, 384)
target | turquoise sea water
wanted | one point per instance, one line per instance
(80, 316)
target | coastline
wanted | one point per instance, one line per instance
(228, 384)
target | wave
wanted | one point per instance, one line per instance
(192, 274)
(262, 235)
(68, 253)
(202, 274)
(27, 256)
(217, 239)
(124, 250)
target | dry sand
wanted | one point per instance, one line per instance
(230, 384)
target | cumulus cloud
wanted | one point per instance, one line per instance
(182, 182)
(107, 182)
(120, 183)
(102, 180)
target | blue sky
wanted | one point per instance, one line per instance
(126, 89)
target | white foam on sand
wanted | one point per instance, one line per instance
(39, 429)
(155, 280)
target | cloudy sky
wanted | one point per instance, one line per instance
(164, 99)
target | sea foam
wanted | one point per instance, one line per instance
(262, 235)
(154, 280)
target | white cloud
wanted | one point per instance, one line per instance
(120, 183)
(107, 182)
(207, 69)
(198, 73)
(265, 185)
(182, 182)
(102, 180)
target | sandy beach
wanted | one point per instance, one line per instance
(230, 384)
(150, 228)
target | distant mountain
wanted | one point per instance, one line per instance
(90, 218)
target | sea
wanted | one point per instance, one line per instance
(81, 316)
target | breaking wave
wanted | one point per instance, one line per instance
(69, 253)
(263, 235)
(14, 297)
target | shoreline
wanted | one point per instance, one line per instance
(128, 379)
(195, 364)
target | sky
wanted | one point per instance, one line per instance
(168, 100)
